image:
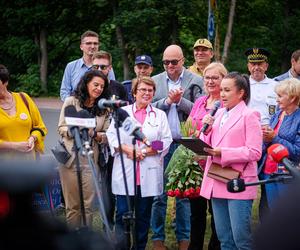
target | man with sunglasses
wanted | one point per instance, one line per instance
(203, 53)
(102, 61)
(89, 44)
(174, 92)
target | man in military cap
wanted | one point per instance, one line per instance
(203, 53)
(263, 96)
(262, 99)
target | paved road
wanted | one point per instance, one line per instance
(50, 117)
(50, 110)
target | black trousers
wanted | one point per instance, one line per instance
(198, 225)
(108, 196)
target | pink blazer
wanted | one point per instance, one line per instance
(240, 140)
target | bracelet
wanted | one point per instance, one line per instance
(144, 152)
(34, 138)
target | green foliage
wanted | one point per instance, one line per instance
(148, 26)
(30, 82)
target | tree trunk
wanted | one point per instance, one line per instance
(121, 44)
(229, 31)
(285, 62)
(44, 59)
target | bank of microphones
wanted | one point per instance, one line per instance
(79, 123)
(130, 126)
(280, 155)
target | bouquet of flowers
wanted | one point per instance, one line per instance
(183, 171)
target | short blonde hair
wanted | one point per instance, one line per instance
(218, 66)
(137, 81)
(291, 87)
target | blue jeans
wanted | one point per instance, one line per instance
(273, 191)
(142, 219)
(233, 223)
(159, 209)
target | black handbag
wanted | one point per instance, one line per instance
(60, 152)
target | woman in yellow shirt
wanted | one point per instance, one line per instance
(22, 130)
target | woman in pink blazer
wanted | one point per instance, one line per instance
(236, 138)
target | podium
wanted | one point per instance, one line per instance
(194, 144)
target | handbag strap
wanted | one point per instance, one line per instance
(27, 106)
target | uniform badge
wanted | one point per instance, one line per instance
(23, 116)
(272, 109)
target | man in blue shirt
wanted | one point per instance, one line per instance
(75, 70)
(294, 71)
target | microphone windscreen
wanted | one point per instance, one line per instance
(84, 114)
(70, 111)
(236, 185)
(122, 114)
(278, 152)
(217, 104)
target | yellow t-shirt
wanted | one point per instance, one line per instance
(195, 69)
(17, 128)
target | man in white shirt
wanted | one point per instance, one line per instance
(262, 99)
(263, 96)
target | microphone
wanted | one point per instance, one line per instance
(212, 113)
(238, 185)
(80, 119)
(279, 153)
(114, 104)
(131, 127)
(70, 111)
(84, 114)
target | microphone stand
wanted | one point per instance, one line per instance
(89, 153)
(135, 211)
(77, 146)
(128, 217)
(283, 178)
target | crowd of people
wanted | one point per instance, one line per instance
(255, 112)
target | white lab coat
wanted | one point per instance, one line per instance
(155, 127)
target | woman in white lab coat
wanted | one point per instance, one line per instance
(149, 167)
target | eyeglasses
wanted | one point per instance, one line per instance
(91, 43)
(213, 78)
(173, 62)
(101, 66)
(144, 91)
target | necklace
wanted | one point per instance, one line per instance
(9, 106)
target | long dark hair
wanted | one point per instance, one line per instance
(241, 82)
(81, 92)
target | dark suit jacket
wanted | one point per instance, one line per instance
(117, 89)
(193, 88)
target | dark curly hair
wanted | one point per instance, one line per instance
(81, 92)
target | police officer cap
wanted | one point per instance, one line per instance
(257, 55)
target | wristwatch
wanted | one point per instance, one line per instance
(144, 152)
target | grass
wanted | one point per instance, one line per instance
(170, 241)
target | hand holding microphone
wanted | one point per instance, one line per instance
(209, 119)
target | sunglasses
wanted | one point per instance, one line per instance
(100, 66)
(91, 43)
(173, 62)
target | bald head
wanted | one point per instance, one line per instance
(173, 51)
(173, 61)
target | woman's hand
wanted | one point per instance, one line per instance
(31, 142)
(128, 150)
(268, 133)
(213, 151)
(208, 119)
(22, 146)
